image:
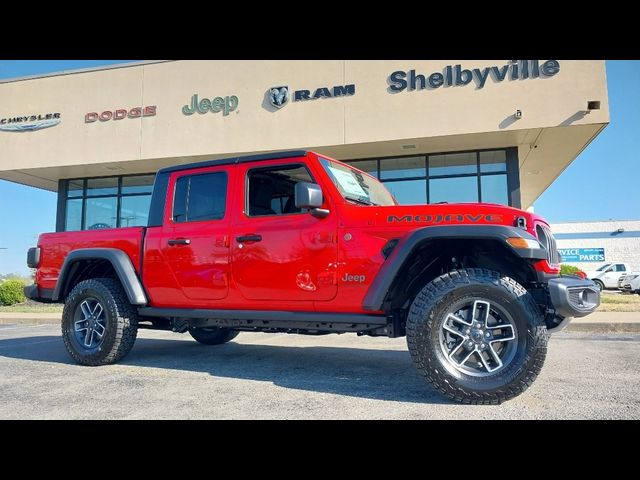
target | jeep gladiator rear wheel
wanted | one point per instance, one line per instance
(476, 336)
(99, 325)
(213, 335)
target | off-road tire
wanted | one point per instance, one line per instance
(426, 317)
(213, 335)
(121, 324)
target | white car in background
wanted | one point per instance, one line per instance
(631, 283)
(626, 279)
(607, 276)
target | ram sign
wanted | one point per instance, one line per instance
(582, 254)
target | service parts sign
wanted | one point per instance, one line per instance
(582, 254)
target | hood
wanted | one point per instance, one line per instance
(416, 216)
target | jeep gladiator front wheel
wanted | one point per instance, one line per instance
(99, 325)
(476, 336)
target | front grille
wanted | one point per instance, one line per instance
(549, 243)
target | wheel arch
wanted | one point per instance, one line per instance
(426, 253)
(88, 263)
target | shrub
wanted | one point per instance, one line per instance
(569, 270)
(11, 292)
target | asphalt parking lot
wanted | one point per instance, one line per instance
(278, 376)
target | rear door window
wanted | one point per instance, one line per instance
(200, 197)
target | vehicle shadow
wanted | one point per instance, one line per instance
(355, 372)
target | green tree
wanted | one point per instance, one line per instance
(568, 269)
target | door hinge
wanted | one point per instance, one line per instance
(327, 278)
(324, 237)
(222, 241)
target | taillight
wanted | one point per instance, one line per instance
(33, 257)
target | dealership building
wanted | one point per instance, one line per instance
(497, 131)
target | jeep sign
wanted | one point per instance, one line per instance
(218, 104)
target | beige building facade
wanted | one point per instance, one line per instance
(433, 130)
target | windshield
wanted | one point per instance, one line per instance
(603, 267)
(356, 186)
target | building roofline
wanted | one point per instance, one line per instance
(82, 70)
(611, 220)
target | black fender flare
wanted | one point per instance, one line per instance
(374, 299)
(121, 264)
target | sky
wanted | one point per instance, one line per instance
(604, 181)
(589, 189)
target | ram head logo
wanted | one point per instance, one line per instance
(279, 96)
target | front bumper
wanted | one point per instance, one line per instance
(573, 297)
(629, 289)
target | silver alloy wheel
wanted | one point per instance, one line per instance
(90, 323)
(478, 338)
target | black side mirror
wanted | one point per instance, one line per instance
(309, 195)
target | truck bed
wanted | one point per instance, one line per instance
(54, 247)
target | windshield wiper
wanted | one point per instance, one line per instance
(361, 201)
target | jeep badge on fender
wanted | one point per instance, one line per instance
(353, 278)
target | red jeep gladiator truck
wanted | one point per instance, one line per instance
(296, 242)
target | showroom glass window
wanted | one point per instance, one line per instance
(475, 176)
(107, 202)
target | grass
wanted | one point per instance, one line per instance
(32, 307)
(619, 303)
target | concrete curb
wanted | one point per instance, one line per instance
(603, 327)
(29, 318)
(603, 322)
(599, 322)
(29, 321)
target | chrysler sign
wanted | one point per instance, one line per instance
(27, 123)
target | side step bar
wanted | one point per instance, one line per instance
(279, 316)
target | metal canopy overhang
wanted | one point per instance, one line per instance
(543, 154)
